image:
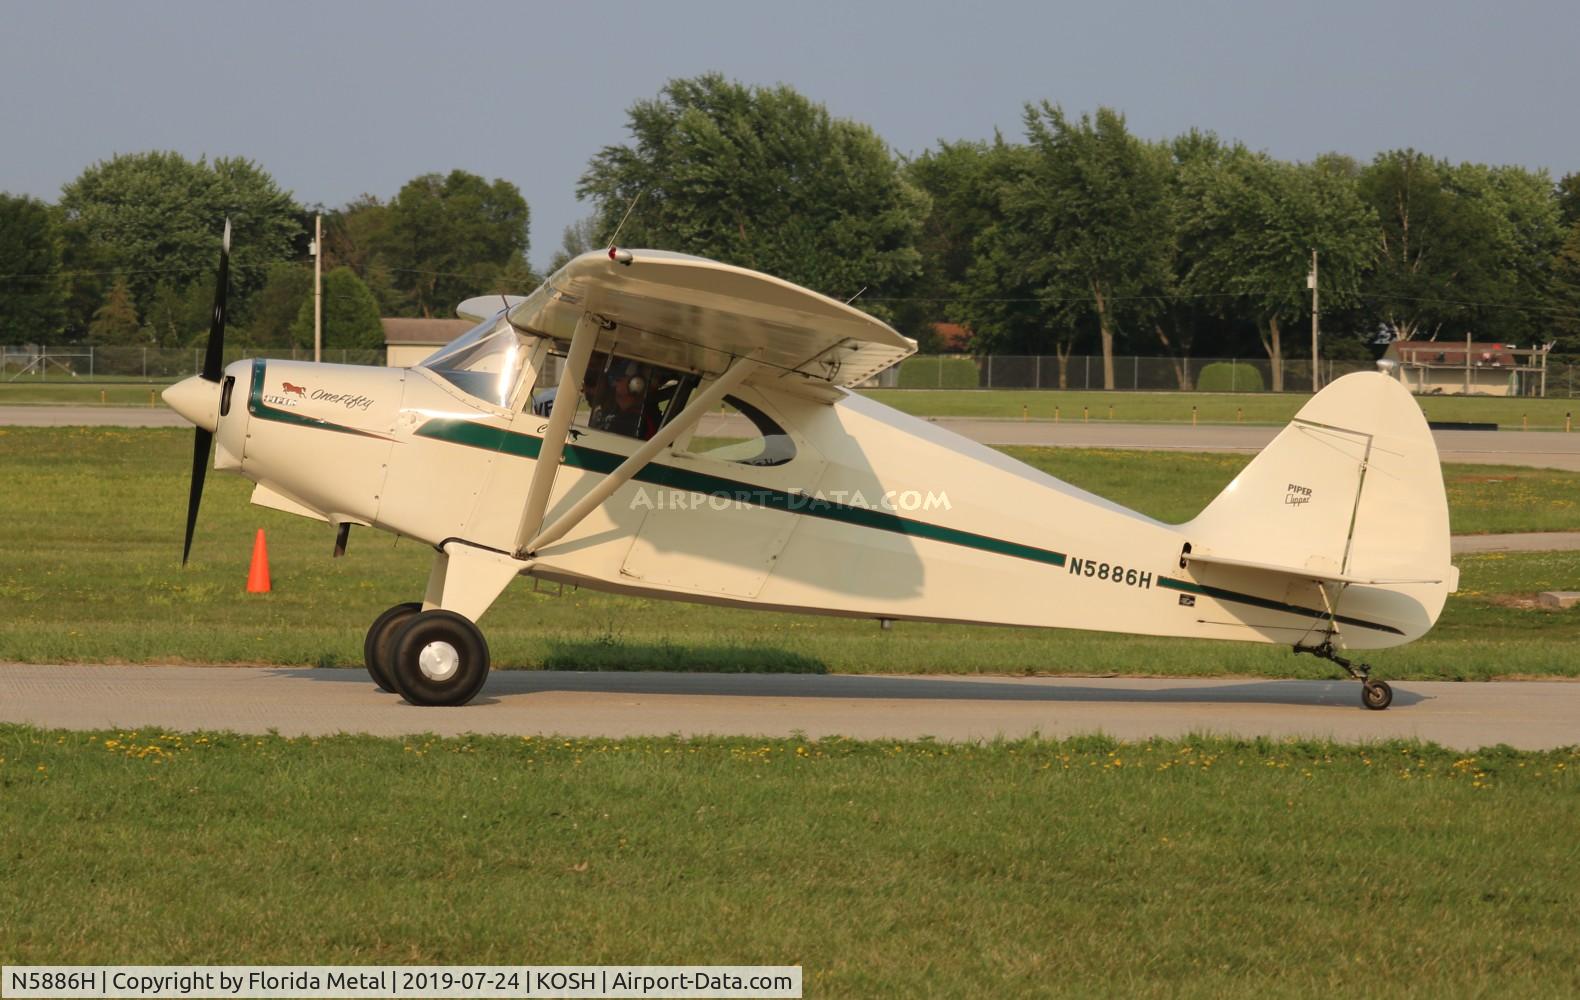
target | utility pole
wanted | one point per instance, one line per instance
(318, 288)
(1311, 283)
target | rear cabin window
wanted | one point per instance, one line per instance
(740, 432)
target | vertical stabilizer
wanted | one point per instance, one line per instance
(1351, 489)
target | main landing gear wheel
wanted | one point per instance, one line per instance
(1376, 694)
(438, 658)
(378, 646)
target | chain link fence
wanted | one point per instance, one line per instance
(1002, 371)
(146, 364)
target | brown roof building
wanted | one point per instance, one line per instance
(1446, 367)
(407, 341)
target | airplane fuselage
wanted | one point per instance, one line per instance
(877, 514)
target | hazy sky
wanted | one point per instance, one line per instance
(337, 98)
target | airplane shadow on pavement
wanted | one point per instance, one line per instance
(503, 684)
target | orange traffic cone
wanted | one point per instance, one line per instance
(258, 572)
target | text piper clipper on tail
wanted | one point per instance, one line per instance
(562, 438)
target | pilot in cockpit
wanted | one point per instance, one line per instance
(629, 405)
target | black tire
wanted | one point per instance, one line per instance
(377, 647)
(1376, 695)
(438, 658)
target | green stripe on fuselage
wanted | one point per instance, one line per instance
(1186, 586)
(492, 438)
(258, 408)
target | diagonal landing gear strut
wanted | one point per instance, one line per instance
(1375, 695)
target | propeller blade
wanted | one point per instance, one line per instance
(213, 359)
(200, 446)
(214, 356)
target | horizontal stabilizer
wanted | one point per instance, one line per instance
(1318, 576)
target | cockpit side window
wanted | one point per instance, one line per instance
(635, 399)
(619, 395)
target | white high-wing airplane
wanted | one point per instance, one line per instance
(559, 439)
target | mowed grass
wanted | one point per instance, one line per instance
(1216, 408)
(89, 571)
(1198, 868)
(83, 392)
(1127, 407)
(1175, 486)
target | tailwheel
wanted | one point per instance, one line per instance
(438, 658)
(377, 647)
(1376, 695)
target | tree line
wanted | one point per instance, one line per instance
(1077, 236)
(126, 256)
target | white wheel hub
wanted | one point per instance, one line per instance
(439, 661)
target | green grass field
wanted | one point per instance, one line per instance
(89, 572)
(1217, 408)
(83, 392)
(1079, 868)
(1144, 407)
(1088, 867)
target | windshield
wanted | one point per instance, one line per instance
(483, 362)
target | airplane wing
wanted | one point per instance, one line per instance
(694, 314)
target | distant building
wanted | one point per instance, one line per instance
(952, 338)
(1438, 367)
(408, 341)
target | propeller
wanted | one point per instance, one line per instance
(203, 440)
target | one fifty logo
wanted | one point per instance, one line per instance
(296, 390)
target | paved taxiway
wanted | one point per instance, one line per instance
(302, 701)
(1545, 449)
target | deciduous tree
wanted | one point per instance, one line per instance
(1565, 314)
(764, 178)
(449, 237)
(274, 308)
(351, 315)
(1096, 200)
(1251, 223)
(1568, 193)
(156, 217)
(32, 289)
(962, 181)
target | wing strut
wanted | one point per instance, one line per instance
(699, 404)
(566, 398)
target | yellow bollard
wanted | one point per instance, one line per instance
(1110, 411)
(150, 397)
(1239, 415)
(1193, 416)
(1566, 423)
(1055, 414)
(1023, 413)
(1525, 422)
(102, 398)
(1084, 413)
